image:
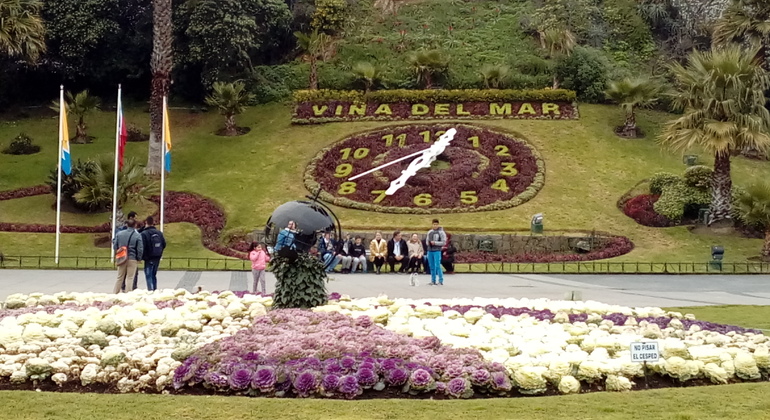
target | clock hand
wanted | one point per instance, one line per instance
(387, 164)
(428, 156)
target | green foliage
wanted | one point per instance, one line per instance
(135, 134)
(581, 17)
(71, 184)
(276, 83)
(97, 187)
(225, 38)
(627, 26)
(331, 76)
(631, 93)
(661, 180)
(753, 205)
(585, 72)
(698, 176)
(419, 96)
(299, 283)
(22, 145)
(230, 99)
(22, 31)
(368, 74)
(428, 66)
(79, 106)
(495, 76)
(329, 15)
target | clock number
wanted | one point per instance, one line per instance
(440, 133)
(343, 170)
(475, 141)
(468, 197)
(425, 136)
(509, 169)
(380, 196)
(389, 140)
(361, 153)
(423, 200)
(347, 188)
(500, 185)
(502, 150)
(401, 140)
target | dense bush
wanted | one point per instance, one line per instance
(698, 176)
(660, 180)
(22, 145)
(417, 96)
(135, 134)
(276, 83)
(300, 283)
(329, 15)
(70, 184)
(641, 209)
(585, 72)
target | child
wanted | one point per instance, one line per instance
(259, 259)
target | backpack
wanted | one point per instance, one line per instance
(156, 244)
(121, 255)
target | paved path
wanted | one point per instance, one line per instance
(629, 290)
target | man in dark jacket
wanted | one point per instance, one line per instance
(154, 244)
(436, 240)
(132, 241)
(397, 253)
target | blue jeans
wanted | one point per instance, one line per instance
(434, 259)
(328, 263)
(151, 272)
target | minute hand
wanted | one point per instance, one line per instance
(423, 161)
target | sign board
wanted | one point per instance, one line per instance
(645, 352)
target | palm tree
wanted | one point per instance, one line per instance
(161, 63)
(231, 99)
(369, 74)
(80, 106)
(428, 64)
(313, 45)
(96, 190)
(557, 43)
(495, 76)
(630, 94)
(746, 21)
(22, 31)
(754, 206)
(721, 94)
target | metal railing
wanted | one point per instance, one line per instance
(584, 267)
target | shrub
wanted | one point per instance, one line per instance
(276, 83)
(698, 176)
(300, 283)
(329, 15)
(419, 96)
(678, 198)
(71, 184)
(22, 145)
(660, 180)
(135, 134)
(641, 209)
(585, 72)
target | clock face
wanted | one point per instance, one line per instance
(481, 169)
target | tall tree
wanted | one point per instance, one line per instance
(22, 32)
(746, 21)
(631, 94)
(754, 207)
(314, 45)
(79, 106)
(161, 63)
(721, 94)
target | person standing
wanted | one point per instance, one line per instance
(259, 259)
(327, 246)
(448, 255)
(154, 243)
(128, 248)
(378, 249)
(436, 239)
(358, 255)
(130, 216)
(286, 237)
(397, 253)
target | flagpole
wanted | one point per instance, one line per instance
(58, 178)
(115, 178)
(163, 163)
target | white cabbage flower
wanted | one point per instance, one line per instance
(88, 374)
(589, 371)
(33, 332)
(746, 366)
(680, 369)
(529, 379)
(716, 374)
(618, 383)
(569, 385)
(558, 369)
(59, 378)
(762, 356)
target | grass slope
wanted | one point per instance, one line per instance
(587, 169)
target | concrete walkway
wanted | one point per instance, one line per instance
(628, 290)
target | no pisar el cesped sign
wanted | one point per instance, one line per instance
(480, 169)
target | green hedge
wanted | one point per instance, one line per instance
(418, 96)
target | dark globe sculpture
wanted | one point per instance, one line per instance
(310, 217)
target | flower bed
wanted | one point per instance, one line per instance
(641, 209)
(616, 246)
(174, 341)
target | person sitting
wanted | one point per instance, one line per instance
(286, 237)
(448, 255)
(416, 253)
(397, 253)
(343, 251)
(358, 255)
(327, 246)
(378, 250)
(313, 252)
(425, 264)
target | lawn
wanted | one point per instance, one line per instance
(587, 169)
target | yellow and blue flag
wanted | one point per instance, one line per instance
(64, 138)
(167, 137)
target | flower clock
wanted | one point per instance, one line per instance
(477, 169)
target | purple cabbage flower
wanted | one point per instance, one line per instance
(500, 381)
(182, 374)
(330, 383)
(216, 379)
(305, 384)
(441, 387)
(420, 379)
(480, 377)
(453, 370)
(264, 379)
(349, 386)
(334, 296)
(397, 376)
(240, 379)
(366, 377)
(348, 363)
(364, 321)
(332, 368)
(389, 364)
(457, 387)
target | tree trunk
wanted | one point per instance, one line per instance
(80, 132)
(721, 189)
(555, 82)
(766, 246)
(230, 128)
(160, 67)
(428, 80)
(313, 72)
(629, 127)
